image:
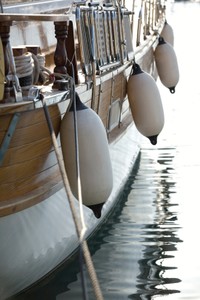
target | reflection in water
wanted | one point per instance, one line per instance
(160, 237)
(132, 249)
(151, 280)
(141, 237)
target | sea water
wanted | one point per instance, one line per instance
(149, 246)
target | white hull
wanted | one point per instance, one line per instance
(36, 240)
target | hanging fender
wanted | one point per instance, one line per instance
(145, 103)
(94, 158)
(167, 65)
(168, 34)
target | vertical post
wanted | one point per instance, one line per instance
(60, 56)
(5, 36)
(71, 53)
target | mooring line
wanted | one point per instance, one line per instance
(83, 243)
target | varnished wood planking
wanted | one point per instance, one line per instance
(120, 87)
(97, 98)
(30, 163)
(27, 168)
(27, 134)
(11, 108)
(104, 106)
(25, 185)
(33, 174)
(25, 201)
(28, 118)
(27, 152)
(106, 86)
(109, 95)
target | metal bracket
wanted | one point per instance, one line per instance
(7, 138)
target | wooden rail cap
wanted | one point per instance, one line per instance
(4, 17)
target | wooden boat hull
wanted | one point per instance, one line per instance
(39, 238)
(30, 161)
(37, 230)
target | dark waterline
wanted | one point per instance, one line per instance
(149, 247)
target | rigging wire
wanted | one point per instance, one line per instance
(86, 253)
(83, 229)
(80, 230)
(1, 6)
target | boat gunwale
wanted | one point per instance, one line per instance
(9, 17)
(57, 96)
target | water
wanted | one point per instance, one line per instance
(149, 247)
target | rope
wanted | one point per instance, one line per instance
(83, 243)
(80, 231)
(24, 65)
(24, 70)
(83, 230)
(36, 68)
(30, 69)
(78, 184)
(41, 74)
(83, 284)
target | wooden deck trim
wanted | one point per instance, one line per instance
(33, 198)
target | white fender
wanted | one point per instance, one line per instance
(167, 65)
(168, 34)
(145, 103)
(95, 164)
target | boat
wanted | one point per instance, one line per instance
(60, 58)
